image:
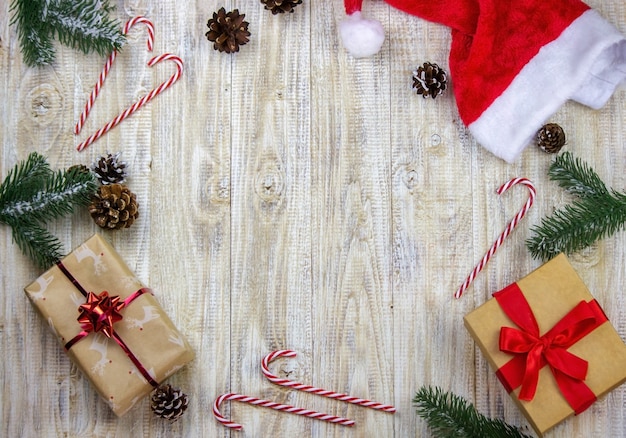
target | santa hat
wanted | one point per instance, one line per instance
(513, 64)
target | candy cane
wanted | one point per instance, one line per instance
(505, 233)
(107, 67)
(307, 388)
(142, 101)
(270, 404)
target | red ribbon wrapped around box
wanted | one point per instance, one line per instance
(100, 313)
(532, 351)
(550, 344)
(124, 342)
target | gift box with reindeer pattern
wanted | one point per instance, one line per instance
(109, 323)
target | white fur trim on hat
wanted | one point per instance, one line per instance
(586, 63)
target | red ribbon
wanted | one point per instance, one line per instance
(99, 314)
(532, 351)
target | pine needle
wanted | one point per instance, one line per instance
(451, 416)
(595, 214)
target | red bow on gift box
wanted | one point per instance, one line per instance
(533, 351)
(100, 312)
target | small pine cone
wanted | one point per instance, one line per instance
(78, 168)
(429, 80)
(228, 31)
(168, 402)
(551, 138)
(109, 169)
(280, 6)
(114, 207)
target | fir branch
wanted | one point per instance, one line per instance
(34, 36)
(31, 195)
(86, 26)
(598, 213)
(451, 416)
(577, 226)
(37, 243)
(576, 177)
(26, 178)
(60, 194)
(82, 24)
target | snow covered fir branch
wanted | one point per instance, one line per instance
(80, 24)
(32, 195)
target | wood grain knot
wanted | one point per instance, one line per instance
(220, 190)
(44, 104)
(293, 368)
(269, 185)
(410, 178)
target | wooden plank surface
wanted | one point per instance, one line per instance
(292, 197)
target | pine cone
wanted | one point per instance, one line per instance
(227, 30)
(280, 6)
(551, 138)
(168, 402)
(429, 80)
(114, 206)
(79, 168)
(110, 169)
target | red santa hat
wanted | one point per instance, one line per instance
(513, 64)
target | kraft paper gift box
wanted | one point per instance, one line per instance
(574, 353)
(145, 347)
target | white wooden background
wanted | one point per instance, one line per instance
(292, 197)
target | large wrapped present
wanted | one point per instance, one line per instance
(110, 324)
(551, 344)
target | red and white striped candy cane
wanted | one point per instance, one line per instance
(107, 67)
(270, 404)
(142, 101)
(531, 198)
(319, 391)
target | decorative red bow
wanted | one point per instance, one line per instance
(100, 312)
(532, 351)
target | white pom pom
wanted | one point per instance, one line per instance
(360, 36)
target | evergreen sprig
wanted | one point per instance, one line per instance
(596, 213)
(451, 416)
(80, 24)
(32, 195)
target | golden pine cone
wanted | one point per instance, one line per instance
(114, 207)
(168, 402)
(430, 80)
(551, 138)
(227, 30)
(281, 6)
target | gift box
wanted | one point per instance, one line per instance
(550, 343)
(109, 323)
